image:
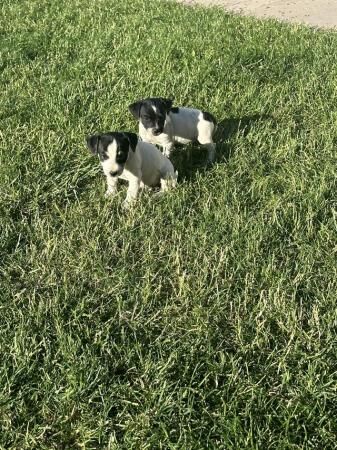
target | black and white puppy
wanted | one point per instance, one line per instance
(163, 125)
(140, 163)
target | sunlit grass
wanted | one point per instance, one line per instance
(205, 319)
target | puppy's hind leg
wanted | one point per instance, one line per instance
(168, 181)
(206, 130)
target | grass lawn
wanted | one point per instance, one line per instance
(204, 319)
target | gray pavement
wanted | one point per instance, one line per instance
(318, 13)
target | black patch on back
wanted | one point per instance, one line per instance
(208, 116)
(174, 110)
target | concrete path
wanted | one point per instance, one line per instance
(318, 13)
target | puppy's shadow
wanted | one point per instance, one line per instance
(191, 159)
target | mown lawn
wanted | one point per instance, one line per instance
(204, 319)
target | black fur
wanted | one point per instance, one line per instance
(208, 116)
(143, 110)
(134, 109)
(174, 110)
(93, 143)
(98, 144)
(133, 140)
(168, 102)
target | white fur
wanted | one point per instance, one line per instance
(147, 166)
(110, 164)
(183, 127)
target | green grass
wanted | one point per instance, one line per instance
(205, 319)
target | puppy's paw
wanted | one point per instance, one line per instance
(128, 204)
(159, 193)
(110, 193)
(144, 187)
(169, 183)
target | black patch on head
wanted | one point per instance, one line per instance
(149, 118)
(123, 145)
(174, 110)
(134, 109)
(98, 144)
(208, 116)
(133, 140)
(93, 143)
(168, 102)
(143, 110)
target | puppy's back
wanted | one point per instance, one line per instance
(186, 122)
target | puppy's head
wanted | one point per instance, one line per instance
(152, 112)
(112, 150)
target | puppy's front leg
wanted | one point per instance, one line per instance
(132, 192)
(112, 185)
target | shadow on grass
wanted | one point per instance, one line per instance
(190, 160)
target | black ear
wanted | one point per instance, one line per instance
(92, 143)
(167, 102)
(134, 109)
(133, 140)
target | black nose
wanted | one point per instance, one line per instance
(157, 131)
(114, 174)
